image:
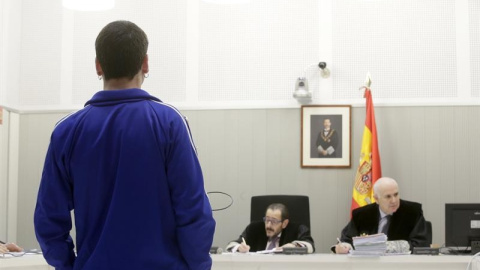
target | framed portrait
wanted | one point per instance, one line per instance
(326, 136)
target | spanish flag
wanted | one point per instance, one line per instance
(369, 169)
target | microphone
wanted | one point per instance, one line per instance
(216, 250)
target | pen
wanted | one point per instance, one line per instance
(243, 241)
(338, 241)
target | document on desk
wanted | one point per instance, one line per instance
(361, 253)
(20, 253)
(398, 253)
(12, 254)
(369, 245)
(271, 251)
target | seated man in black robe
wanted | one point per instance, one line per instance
(274, 232)
(398, 219)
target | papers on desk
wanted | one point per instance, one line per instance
(12, 254)
(357, 253)
(20, 254)
(271, 251)
(367, 240)
(369, 245)
(377, 245)
(285, 250)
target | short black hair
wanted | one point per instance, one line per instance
(121, 47)
(283, 209)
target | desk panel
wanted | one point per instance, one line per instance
(26, 262)
(295, 262)
(333, 261)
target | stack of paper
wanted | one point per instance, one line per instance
(375, 244)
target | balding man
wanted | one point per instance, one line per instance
(398, 219)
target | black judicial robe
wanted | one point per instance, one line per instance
(407, 223)
(256, 236)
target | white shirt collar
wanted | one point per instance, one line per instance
(382, 214)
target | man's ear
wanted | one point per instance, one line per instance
(98, 67)
(145, 68)
(284, 223)
(375, 196)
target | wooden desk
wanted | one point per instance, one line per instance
(294, 262)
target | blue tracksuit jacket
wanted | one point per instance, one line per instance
(127, 167)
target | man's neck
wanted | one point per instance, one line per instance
(273, 237)
(123, 83)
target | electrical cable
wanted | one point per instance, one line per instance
(223, 193)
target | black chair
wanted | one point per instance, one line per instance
(298, 207)
(429, 232)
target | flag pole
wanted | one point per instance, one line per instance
(367, 83)
(369, 168)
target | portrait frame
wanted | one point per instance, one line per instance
(321, 149)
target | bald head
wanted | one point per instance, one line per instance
(383, 182)
(385, 192)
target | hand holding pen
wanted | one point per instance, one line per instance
(341, 248)
(243, 248)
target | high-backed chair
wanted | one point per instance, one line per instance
(298, 207)
(429, 232)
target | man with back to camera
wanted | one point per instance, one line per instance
(398, 219)
(274, 232)
(127, 165)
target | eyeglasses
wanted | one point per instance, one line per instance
(274, 221)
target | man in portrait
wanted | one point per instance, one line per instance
(327, 141)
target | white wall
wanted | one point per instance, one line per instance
(206, 56)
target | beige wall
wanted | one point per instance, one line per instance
(433, 152)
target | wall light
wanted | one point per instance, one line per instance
(88, 5)
(302, 93)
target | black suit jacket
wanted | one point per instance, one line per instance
(407, 223)
(256, 236)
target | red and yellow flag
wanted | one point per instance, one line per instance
(369, 169)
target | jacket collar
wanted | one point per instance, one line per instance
(108, 97)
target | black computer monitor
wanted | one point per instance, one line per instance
(462, 226)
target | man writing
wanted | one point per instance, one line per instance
(275, 232)
(396, 218)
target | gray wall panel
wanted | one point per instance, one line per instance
(35, 130)
(252, 152)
